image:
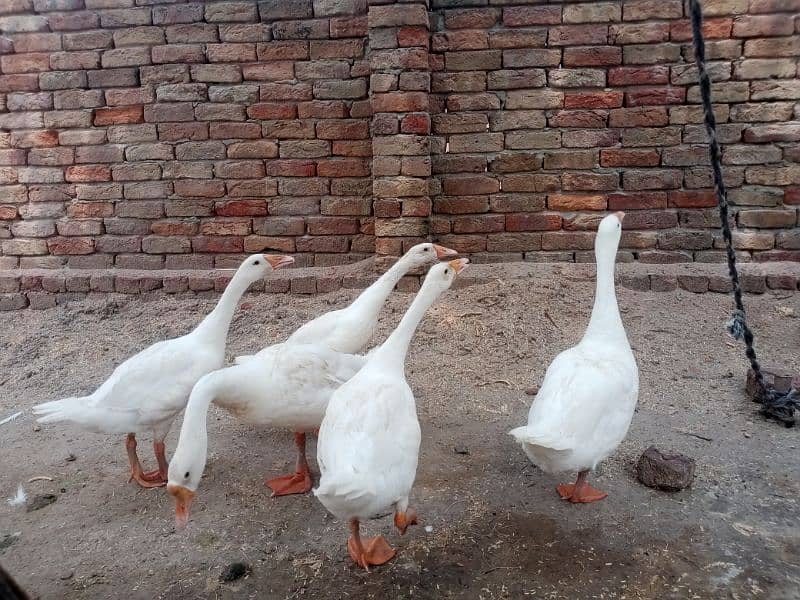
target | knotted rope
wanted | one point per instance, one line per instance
(775, 404)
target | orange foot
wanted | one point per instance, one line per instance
(153, 479)
(582, 494)
(377, 551)
(403, 520)
(296, 483)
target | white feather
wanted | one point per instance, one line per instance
(20, 498)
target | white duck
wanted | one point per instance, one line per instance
(286, 385)
(586, 402)
(369, 439)
(350, 329)
(147, 391)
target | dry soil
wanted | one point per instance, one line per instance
(491, 524)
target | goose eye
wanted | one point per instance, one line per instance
(258, 262)
(446, 271)
(187, 475)
(426, 249)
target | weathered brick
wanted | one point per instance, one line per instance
(231, 12)
(762, 26)
(577, 35)
(529, 57)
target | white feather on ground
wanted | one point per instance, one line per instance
(20, 498)
(10, 418)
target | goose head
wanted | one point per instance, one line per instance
(609, 233)
(441, 276)
(185, 470)
(427, 253)
(258, 266)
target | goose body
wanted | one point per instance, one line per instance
(285, 385)
(586, 402)
(148, 390)
(369, 440)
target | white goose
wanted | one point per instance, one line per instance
(350, 329)
(147, 391)
(586, 402)
(286, 385)
(369, 439)
(347, 330)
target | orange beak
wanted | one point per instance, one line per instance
(459, 264)
(620, 215)
(442, 252)
(278, 260)
(183, 501)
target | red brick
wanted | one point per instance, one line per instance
(470, 185)
(60, 246)
(592, 56)
(169, 228)
(616, 157)
(712, 29)
(638, 75)
(637, 201)
(416, 123)
(8, 213)
(586, 181)
(270, 110)
(400, 102)
(692, 198)
(291, 168)
(648, 96)
(579, 118)
(89, 210)
(413, 36)
(343, 168)
(456, 205)
(533, 222)
(571, 202)
(605, 99)
(639, 117)
(86, 173)
(479, 224)
(118, 115)
(32, 62)
(217, 244)
(577, 35)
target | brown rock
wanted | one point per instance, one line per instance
(669, 472)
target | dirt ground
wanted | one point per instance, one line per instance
(491, 526)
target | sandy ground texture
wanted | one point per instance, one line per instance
(491, 525)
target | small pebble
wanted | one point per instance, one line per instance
(532, 391)
(70, 457)
(428, 528)
(461, 450)
(66, 575)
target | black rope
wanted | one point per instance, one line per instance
(776, 405)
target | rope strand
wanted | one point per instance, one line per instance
(775, 404)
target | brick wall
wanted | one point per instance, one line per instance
(182, 135)
(150, 134)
